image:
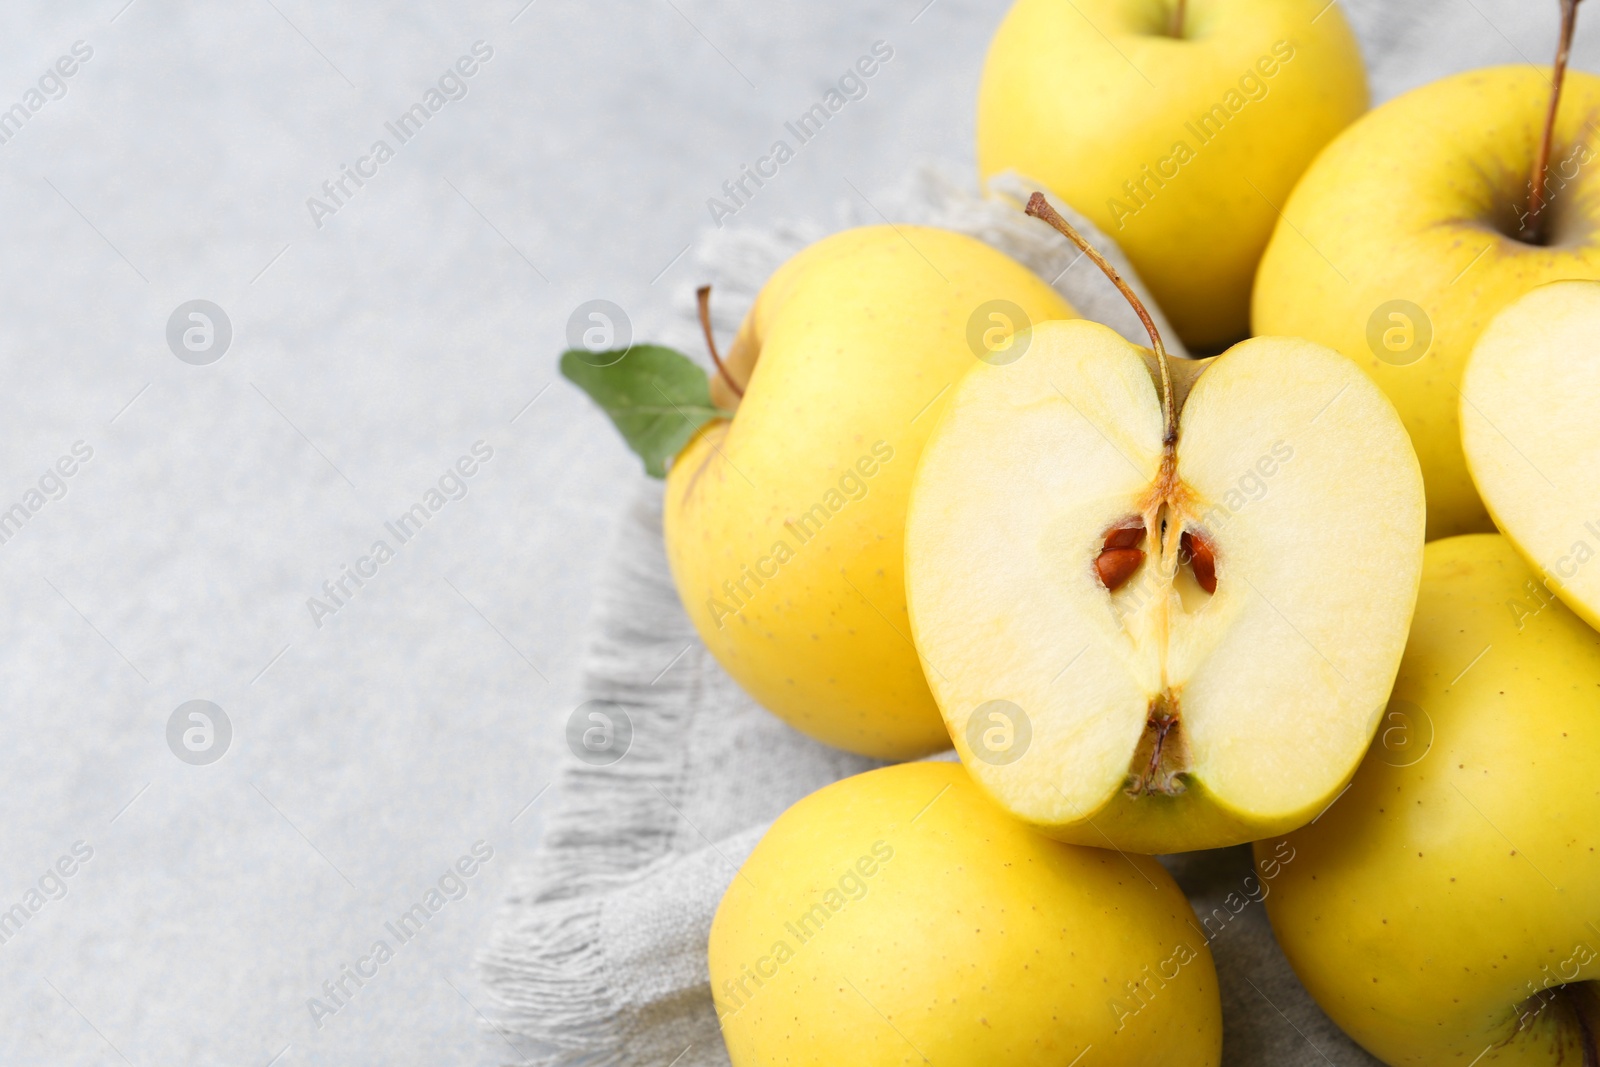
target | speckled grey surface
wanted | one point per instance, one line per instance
(367, 356)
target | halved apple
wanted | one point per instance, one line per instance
(1162, 626)
(1529, 432)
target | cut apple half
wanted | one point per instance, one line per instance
(1532, 442)
(1164, 625)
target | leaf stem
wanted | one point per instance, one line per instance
(703, 298)
(1537, 200)
(1040, 208)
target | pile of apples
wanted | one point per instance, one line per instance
(1331, 591)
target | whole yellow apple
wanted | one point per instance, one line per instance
(900, 917)
(785, 525)
(1401, 243)
(1180, 146)
(1446, 910)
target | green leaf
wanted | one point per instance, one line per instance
(658, 397)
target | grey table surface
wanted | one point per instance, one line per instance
(373, 344)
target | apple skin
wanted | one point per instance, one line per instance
(959, 934)
(1413, 203)
(850, 351)
(1420, 910)
(1083, 95)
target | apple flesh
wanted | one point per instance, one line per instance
(899, 917)
(1163, 646)
(1400, 245)
(1179, 147)
(1445, 909)
(1528, 400)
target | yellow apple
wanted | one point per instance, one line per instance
(785, 525)
(1446, 910)
(899, 917)
(1178, 147)
(1400, 244)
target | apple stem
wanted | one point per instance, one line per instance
(1040, 208)
(1536, 198)
(1176, 29)
(702, 296)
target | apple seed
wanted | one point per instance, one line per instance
(1119, 557)
(1116, 565)
(1202, 558)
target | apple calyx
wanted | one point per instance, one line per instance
(1162, 756)
(1533, 230)
(702, 297)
